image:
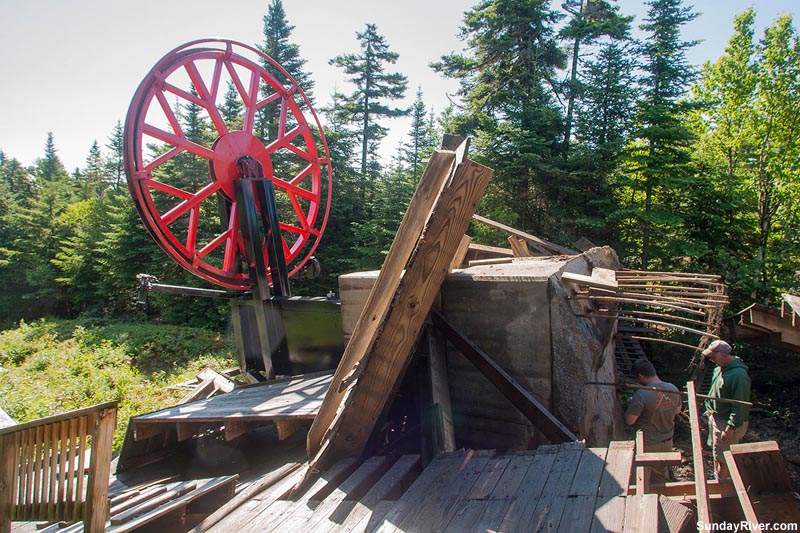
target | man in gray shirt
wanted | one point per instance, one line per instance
(653, 411)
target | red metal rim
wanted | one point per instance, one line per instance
(191, 118)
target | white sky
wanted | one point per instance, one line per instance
(72, 66)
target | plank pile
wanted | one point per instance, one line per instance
(668, 301)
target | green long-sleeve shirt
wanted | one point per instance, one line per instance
(732, 382)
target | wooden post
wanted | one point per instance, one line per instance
(9, 449)
(440, 392)
(99, 470)
(642, 472)
(701, 490)
(461, 252)
(518, 246)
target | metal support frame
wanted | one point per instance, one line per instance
(258, 226)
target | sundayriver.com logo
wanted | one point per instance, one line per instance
(744, 525)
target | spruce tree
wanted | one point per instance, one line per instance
(366, 106)
(724, 207)
(589, 21)
(114, 160)
(92, 177)
(660, 159)
(277, 32)
(421, 138)
(508, 81)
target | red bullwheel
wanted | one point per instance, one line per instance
(202, 107)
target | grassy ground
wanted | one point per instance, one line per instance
(53, 366)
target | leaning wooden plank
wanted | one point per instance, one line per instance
(540, 243)
(380, 372)
(364, 477)
(203, 488)
(430, 185)
(617, 474)
(538, 414)
(366, 510)
(741, 489)
(701, 491)
(444, 432)
(461, 252)
(432, 480)
(255, 488)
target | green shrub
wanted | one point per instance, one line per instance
(53, 366)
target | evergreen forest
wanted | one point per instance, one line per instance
(592, 134)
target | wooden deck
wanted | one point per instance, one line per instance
(290, 404)
(556, 488)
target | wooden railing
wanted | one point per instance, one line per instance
(44, 473)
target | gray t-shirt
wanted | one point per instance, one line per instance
(656, 411)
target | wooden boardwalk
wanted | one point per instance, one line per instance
(556, 488)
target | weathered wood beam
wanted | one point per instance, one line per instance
(659, 459)
(701, 490)
(440, 392)
(529, 406)
(686, 489)
(535, 241)
(461, 252)
(252, 490)
(380, 297)
(369, 382)
(741, 490)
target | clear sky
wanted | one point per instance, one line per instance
(72, 66)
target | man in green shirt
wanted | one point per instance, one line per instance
(727, 423)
